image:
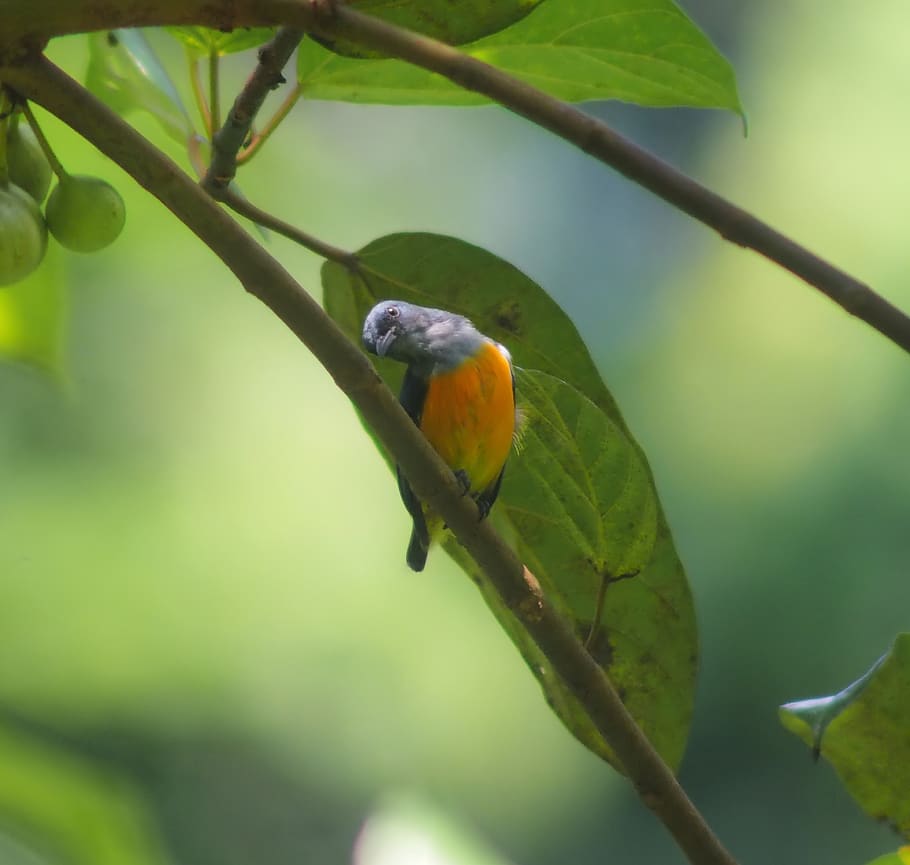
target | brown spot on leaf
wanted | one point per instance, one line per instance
(508, 316)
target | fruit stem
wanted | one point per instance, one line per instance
(58, 169)
(260, 138)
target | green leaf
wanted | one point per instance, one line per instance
(642, 51)
(451, 21)
(126, 74)
(578, 500)
(31, 317)
(864, 732)
(54, 798)
(578, 478)
(204, 41)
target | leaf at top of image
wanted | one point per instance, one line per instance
(578, 501)
(864, 733)
(647, 52)
(203, 41)
(452, 21)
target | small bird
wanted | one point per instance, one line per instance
(459, 389)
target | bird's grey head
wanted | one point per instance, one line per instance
(418, 335)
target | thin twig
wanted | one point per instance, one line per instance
(199, 91)
(43, 143)
(214, 88)
(244, 207)
(260, 138)
(430, 478)
(228, 140)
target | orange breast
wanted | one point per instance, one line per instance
(469, 416)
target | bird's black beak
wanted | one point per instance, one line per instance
(384, 343)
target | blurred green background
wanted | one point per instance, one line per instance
(207, 630)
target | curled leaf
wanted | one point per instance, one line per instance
(864, 733)
(125, 73)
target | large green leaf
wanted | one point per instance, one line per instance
(642, 51)
(54, 799)
(32, 315)
(864, 732)
(125, 73)
(451, 21)
(578, 479)
(578, 500)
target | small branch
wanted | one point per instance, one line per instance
(43, 143)
(260, 138)
(199, 92)
(244, 207)
(431, 479)
(214, 90)
(228, 140)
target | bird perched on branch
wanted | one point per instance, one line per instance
(459, 389)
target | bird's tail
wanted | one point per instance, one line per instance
(418, 548)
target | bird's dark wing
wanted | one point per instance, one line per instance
(487, 497)
(413, 393)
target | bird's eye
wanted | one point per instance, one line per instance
(393, 312)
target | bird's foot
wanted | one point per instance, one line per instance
(463, 481)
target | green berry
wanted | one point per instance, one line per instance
(85, 214)
(28, 166)
(23, 234)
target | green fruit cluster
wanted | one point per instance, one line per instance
(84, 214)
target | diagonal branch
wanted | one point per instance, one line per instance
(39, 80)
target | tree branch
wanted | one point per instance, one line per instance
(246, 208)
(228, 140)
(433, 482)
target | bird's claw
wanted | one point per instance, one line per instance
(464, 482)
